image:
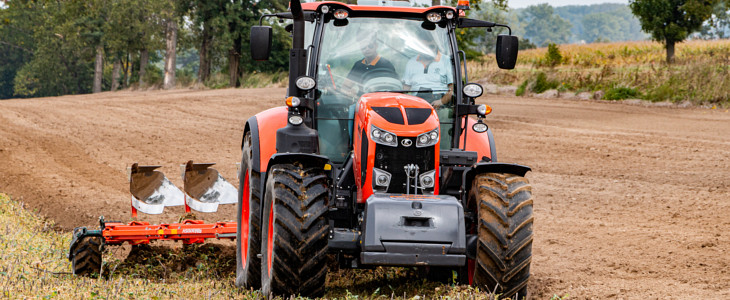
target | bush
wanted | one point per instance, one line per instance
(521, 89)
(620, 93)
(542, 83)
(553, 56)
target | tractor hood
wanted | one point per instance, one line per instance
(404, 115)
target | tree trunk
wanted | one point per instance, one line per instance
(128, 73)
(98, 69)
(115, 74)
(171, 35)
(670, 51)
(144, 57)
(435, 2)
(234, 59)
(204, 70)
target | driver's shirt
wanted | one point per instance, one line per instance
(360, 68)
(420, 74)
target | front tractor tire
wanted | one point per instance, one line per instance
(294, 237)
(248, 217)
(504, 229)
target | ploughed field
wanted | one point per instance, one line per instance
(631, 201)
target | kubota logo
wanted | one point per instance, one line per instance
(406, 142)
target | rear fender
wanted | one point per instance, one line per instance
(489, 167)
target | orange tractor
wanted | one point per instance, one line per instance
(374, 160)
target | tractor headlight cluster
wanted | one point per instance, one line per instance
(434, 17)
(427, 179)
(428, 139)
(381, 180)
(341, 14)
(305, 83)
(473, 90)
(296, 120)
(383, 137)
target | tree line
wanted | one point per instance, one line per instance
(60, 47)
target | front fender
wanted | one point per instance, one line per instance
(306, 159)
(490, 167)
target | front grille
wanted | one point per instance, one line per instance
(393, 159)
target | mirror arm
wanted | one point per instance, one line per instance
(502, 25)
(261, 20)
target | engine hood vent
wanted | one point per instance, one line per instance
(417, 115)
(391, 114)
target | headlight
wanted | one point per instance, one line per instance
(341, 14)
(428, 139)
(480, 127)
(473, 90)
(434, 17)
(295, 120)
(381, 180)
(305, 83)
(383, 137)
(427, 179)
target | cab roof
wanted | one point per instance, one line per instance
(313, 6)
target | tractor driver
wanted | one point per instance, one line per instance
(429, 73)
(372, 65)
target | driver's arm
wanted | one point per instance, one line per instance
(446, 98)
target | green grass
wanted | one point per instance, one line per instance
(33, 264)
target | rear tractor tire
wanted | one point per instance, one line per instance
(294, 238)
(248, 217)
(87, 257)
(504, 248)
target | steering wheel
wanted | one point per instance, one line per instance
(381, 80)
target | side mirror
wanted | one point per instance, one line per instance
(260, 42)
(507, 51)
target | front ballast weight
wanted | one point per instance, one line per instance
(204, 189)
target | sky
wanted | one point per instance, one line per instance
(554, 3)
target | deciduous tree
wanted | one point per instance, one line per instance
(671, 21)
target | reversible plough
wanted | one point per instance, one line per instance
(204, 189)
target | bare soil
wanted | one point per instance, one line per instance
(630, 201)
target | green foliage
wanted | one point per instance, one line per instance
(607, 22)
(553, 56)
(672, 21)
(542, 83)
(544, 26)
(620, 93)
(718, 26)
(600, 27)
(525, 44)
(521, 89)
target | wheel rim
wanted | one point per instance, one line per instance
(246, 195)
(270, 240)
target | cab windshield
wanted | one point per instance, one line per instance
(366, 55)
(384, 55)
